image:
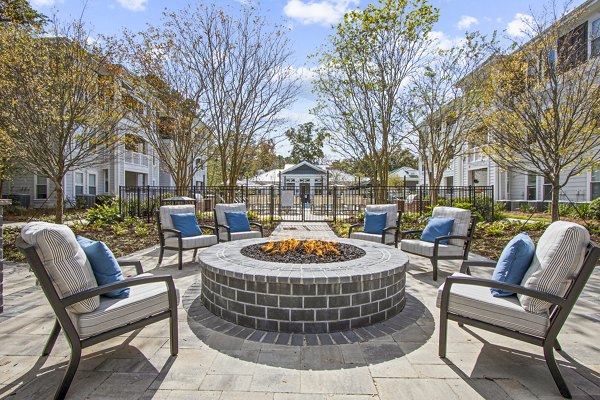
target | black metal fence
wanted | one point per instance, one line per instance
(332, 203)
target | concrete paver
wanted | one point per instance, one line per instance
(396, 359)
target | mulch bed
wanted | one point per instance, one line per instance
(299, 255)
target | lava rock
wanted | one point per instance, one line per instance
(299, 256)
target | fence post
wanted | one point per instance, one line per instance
(272, 206)
(120, 198)
(139, 195)
(148, 203)
(471, 192)
(420, 199)
(492, 200)
(334, 203)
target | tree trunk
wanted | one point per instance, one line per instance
(555, 193)
(60, 200)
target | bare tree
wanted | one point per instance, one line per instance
(362, 71)
(245, 66)
(442, 103)
(165, 100)
(58, 104)
(543, 102)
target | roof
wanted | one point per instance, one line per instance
(405, 172)
(304, 168)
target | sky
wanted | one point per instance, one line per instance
(310, 23)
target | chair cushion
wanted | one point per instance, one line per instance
(477, 302)
(64, 261)
(165, 215)
(373, 237)
(105, 266)
(462, 220)
(513, 262)
(220, 210)
(240, 235)
(375, 222)
(390, 209)
(425, 249)
(143, 302)
(237, 221)
(437, 227)
(187, 224)
(558, 257)
(192, 242)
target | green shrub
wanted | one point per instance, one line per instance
(595, 209)
(103, 215)
(526, 208)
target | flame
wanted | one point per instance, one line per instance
(316, 247)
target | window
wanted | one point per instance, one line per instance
(572, 47)
(41, 187)
(135, 143)
(105, 173)
(547, 190)
(595, 184)
(290, 183)
(92, 184)
(531, 187)
(595, 38)
(78, 183)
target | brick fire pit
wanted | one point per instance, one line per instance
(308, 298)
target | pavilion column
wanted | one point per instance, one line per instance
(3, 202)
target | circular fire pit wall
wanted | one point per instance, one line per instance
(308, 298)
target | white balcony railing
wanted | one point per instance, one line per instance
(135, 158)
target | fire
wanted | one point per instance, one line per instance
(316, 247)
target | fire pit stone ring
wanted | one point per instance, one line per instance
(303, 298)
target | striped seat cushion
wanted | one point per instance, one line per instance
(64, 261)
(391, 211)
(143, 302)
(477, 302)
(165, 215)
(558, 257)
(373, 237)
(240, 235)
(192, 242)
(462, 220)
(425, 249)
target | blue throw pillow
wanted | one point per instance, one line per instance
(513, 262)
(237, 221)
(437, 227)
(104, 265)
(187, 224)
(375, 222)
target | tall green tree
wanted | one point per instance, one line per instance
(363, 68)
(307, 143)
(58, 104)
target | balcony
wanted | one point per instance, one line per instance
(135, 158)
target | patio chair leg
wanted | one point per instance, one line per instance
(443, 334)
(557, 345)
(160, 255)
(62, 390)
(553, 366)
(52, 339)
(180, 264)
(194, 256)
(434, 263)
(174, 335)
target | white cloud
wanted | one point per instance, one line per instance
(134, 5)
(44, 3)
(324, 12)
(442, 41)
(467, 21)
(520, 26)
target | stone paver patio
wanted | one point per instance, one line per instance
(396, 359)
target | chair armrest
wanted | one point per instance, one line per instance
(404, 234)
(390, 228)
(222, 226)
(135, 281)
(260, 227)
(475, 281)
(440, 238)
(352, 228)
(466, 265)
(170, 230)
(132, 263)
(208, 227)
